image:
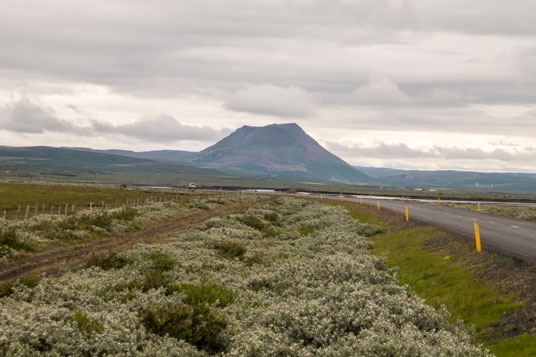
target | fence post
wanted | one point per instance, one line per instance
(59, 209)
(51, 209)
(27, 212)
(36, 208)
(18, 212)
(43, 209)
(4, 214)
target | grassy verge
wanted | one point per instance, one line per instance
(517, 212)
(449, 278)
(439, 280)
(359, 214)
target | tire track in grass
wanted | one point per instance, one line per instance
(54, 261)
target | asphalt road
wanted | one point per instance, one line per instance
(510, 236)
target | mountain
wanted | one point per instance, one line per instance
(165, 156)
(277, 150)
(452, 179)
(66, 162)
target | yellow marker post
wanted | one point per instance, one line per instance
(361, 201)
(407, 214)
(378, 205)
(438, 201)
(478, 208)
(371, 196)
(340, 196)
(91, 206)
(320, 197)
(297, 194)
(477, 237)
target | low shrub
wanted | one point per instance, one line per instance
(368, 230)
(273, 217)
(107, 262)
(8, 237)
(197, 325)
(306, 230)
(257, 285)
(256, 223)
(154, 279)
(203, 294)
(30, 281)
(253, 222)
(124, 214)
(230, 250)
(162, 261)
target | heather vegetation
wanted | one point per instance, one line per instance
(289, 278)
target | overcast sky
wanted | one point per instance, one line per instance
(428, 84)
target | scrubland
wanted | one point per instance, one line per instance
(288, 277)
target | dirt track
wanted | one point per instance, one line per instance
(55, 260)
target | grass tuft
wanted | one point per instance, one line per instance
(85, 324)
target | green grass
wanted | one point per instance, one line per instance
(12, 195)
(86, 324)
(439, 280)
(524, 345)
(230, 250)
(359, 215)
(306, 230)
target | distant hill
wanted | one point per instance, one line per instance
(452, 179)
(165, 156)
(56, 161)
(277, 150)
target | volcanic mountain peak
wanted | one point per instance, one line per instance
(277, 150)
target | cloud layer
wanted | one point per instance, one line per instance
(367, 68)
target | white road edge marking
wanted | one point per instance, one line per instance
(515, 226)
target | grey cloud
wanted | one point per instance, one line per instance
(166, 47)
(272, 100)
(527, 60)
(478, 120)
(381, 90)
(163, 128)
(403, 151)
(286, 58)
(23, 116)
